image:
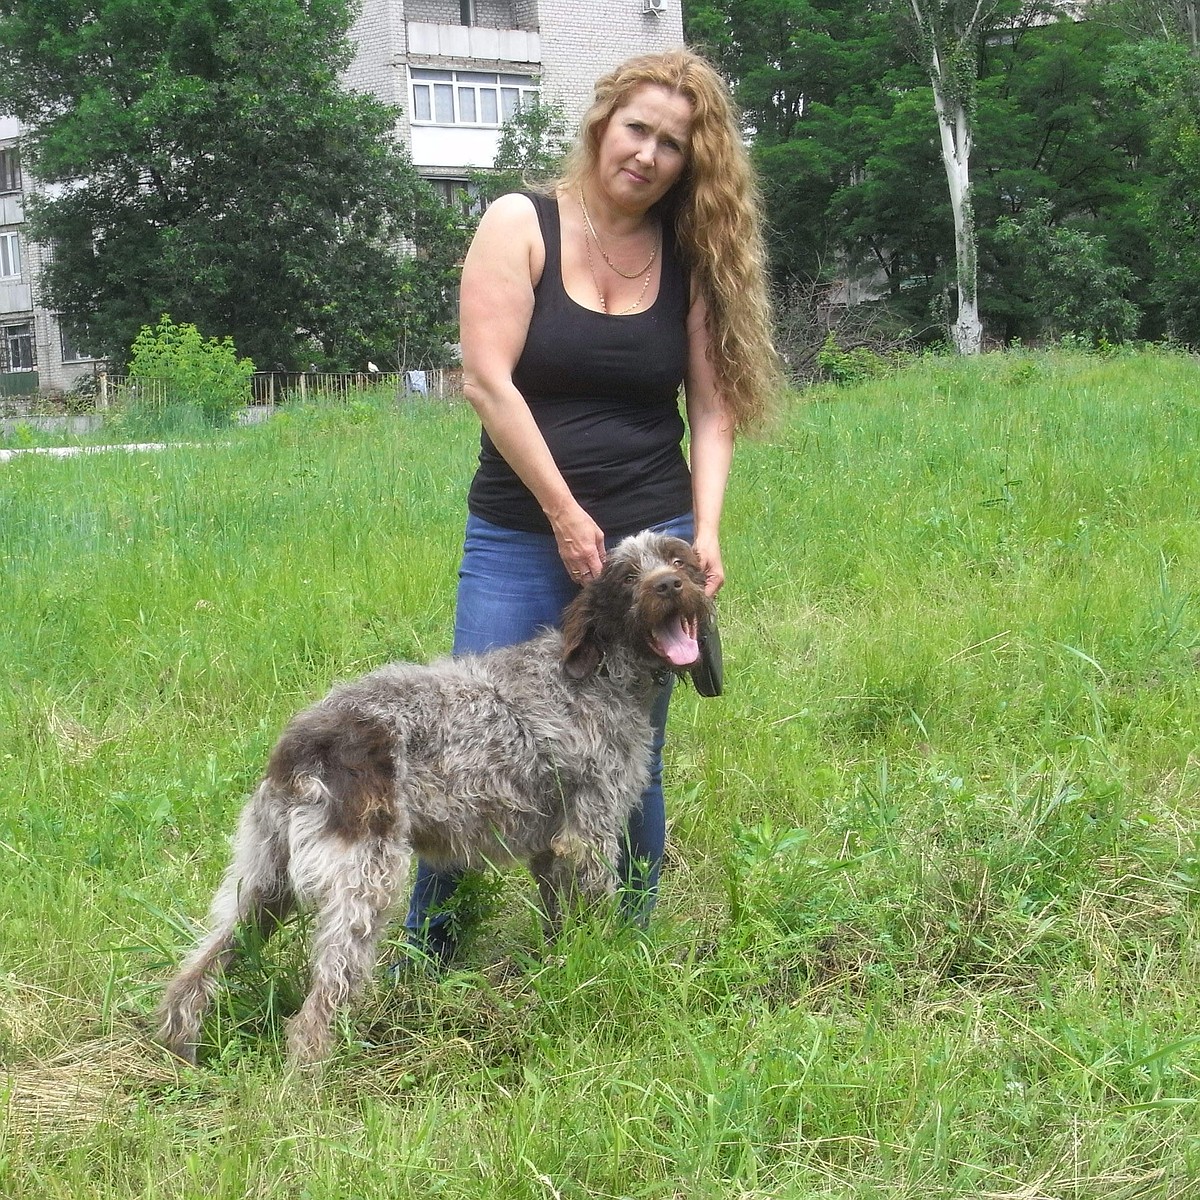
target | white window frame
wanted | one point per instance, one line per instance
(10, 255)
(474, 99)
(17, 334)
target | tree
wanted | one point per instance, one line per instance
(1071, 285)
(801, 69)
(947, 47)
(1050, 131)
(204, 159)
(1162, 77)
(185, 369)
(1169, 19)
(533, 144)
(852, 166)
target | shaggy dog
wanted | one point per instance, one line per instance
(535, 753)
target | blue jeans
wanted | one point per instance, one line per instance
(510, 585)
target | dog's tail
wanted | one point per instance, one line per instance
(256, 890)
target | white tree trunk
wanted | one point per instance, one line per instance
(954, 128)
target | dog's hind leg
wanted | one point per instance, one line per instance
(355, 885)
(255, 891)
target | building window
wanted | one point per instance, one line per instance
(10, 256)
(10, 170)
(70, 335)
(16, 347)
(460, 193)
(469, 97)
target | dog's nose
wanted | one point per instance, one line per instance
(664, 587)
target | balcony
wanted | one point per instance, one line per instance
(473, 42)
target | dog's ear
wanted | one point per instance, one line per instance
(581, 653)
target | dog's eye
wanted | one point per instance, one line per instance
(631, 577)
(677, 562)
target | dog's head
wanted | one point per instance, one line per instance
(649, 600)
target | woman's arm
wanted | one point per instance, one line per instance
(504, 263)
(711, 436)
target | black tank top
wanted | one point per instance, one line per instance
(604, 391)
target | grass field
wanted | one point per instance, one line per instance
(929, 922)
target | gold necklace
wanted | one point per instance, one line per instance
(587, 241)
(600, 245)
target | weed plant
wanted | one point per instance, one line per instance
(929, 922)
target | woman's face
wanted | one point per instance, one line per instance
(644, 147)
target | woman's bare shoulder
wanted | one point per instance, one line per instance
(508, 235)
(512, 213)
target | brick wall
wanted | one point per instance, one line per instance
(378, 67)
(582, 41)
(491, 14)
(438, 12)
(495, 14)
(525, 14)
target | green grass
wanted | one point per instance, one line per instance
(929, 923)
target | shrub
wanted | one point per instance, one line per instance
(206, 375)
(821, 339)
(1073, 286)
(851, 365)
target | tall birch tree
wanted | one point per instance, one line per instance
(947, 33)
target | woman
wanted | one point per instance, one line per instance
(583, 310)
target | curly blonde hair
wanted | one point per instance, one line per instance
(715, 208)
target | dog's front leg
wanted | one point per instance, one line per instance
(543, 868)
(573, 875)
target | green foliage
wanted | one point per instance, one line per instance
(852, 365)
(425, 286)
(1069, 282)
(1173, 20)
(215, 167)
(20, 436)
(846, 145)
(1173, 212)
(191, 371)
(532, 145)
(809, 74)
(1050, 129)
(1162, 78)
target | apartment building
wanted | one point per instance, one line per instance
(36, 354)
(456, 69)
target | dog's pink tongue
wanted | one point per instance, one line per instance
(676, 645)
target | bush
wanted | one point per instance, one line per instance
(192, 372)
(851, 365)
(821, 339)
(1072, 285)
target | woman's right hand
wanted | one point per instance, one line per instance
(502, 267)
(580, 543)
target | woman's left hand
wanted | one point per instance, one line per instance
(708, 550)
(711, 449)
